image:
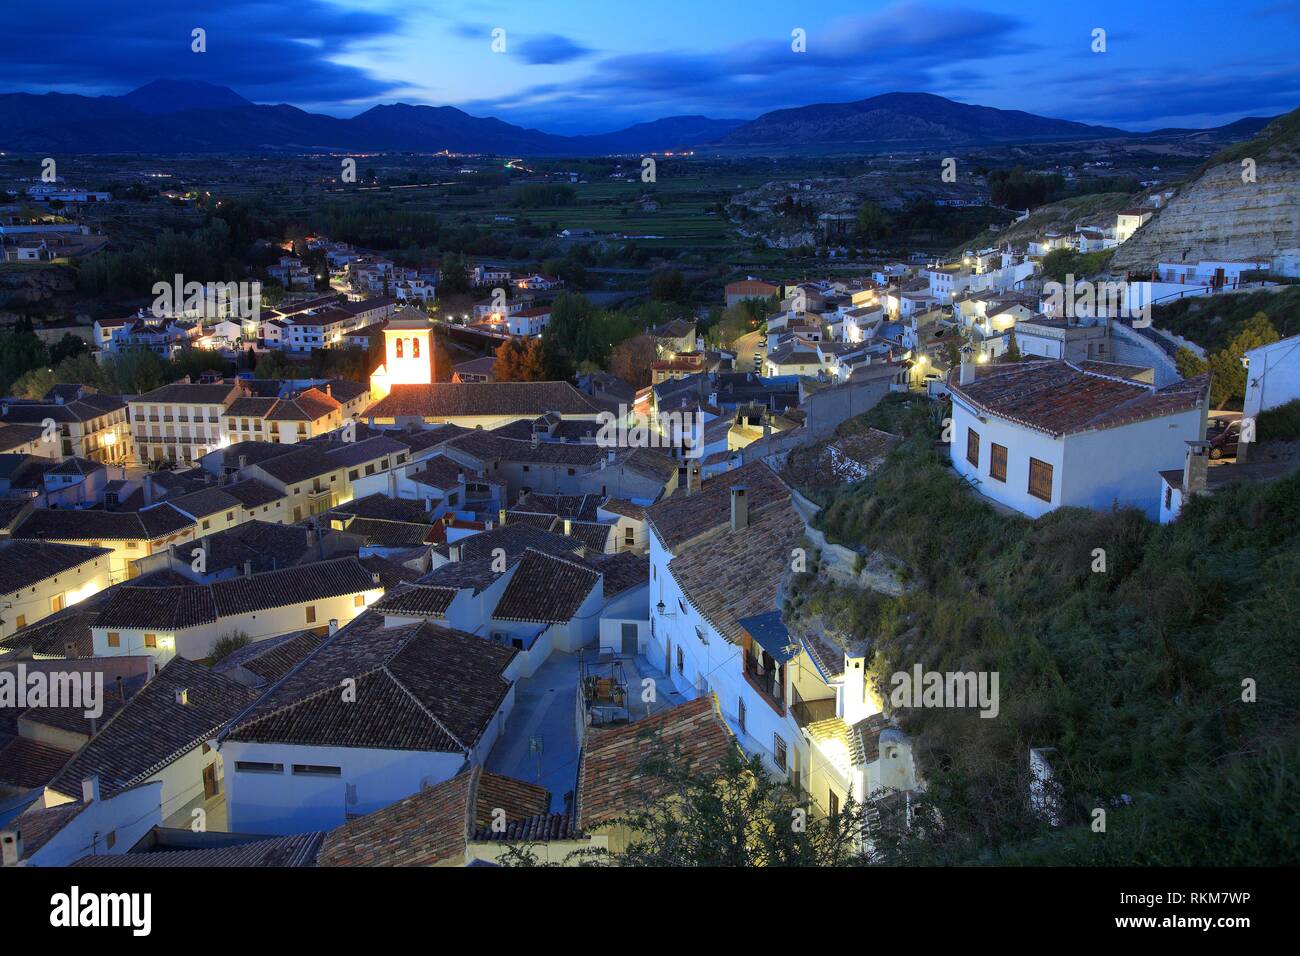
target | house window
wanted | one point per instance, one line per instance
(151, 640)
(207, 525)
(833, 803)
(316, 770)
(257, 766)
(1169, 499)
(778, 750)
(629, 536)
(740, 713)
(1040, 479)
(973, 447)
(681, 661)
(114, 639)
(415, 348)
(359, 601)
(399, 348)
(311, 614)
(998, 462)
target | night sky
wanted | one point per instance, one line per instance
(573, 67)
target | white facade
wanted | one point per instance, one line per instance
(1272, 376)
(1092, 469)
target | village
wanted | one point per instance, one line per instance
(318, 610)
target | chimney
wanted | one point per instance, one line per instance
(1195, 468)
(374, 578)
(392, 483)
(428, 504)
(967, 374)
(334, 625)
(536, 440)
(453, 552)
(150, 668)
(611, 456)
(90, 789)
(501, 517)
(183, 696)
(568, 527)
(243, 462)
(327, 390)
(248, 568)
(739, 508)
(11, 847)
(148, 488)
(121, 689)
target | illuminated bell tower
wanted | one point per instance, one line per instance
(408, 353)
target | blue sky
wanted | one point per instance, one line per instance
(573, 66)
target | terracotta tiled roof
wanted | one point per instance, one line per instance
(61, 524)
(24, 563)
(449, 400)
(287, 851)
(737, 574)
(1059, 398)
(621, 506)
(433, 826)
(682, 516)
(26, 764)
(153, 729)
(384, 508)
(545, 590)
(622, 570)
(614, 779)
(418, 687)
(417, 601)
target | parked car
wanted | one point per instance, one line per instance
(1223, 438)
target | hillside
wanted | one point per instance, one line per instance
(1218, 216)
(1134, 675)
(1096, 209)
(905, 119)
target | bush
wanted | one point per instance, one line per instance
(1279, 424)
(227, 644)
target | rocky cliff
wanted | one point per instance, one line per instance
(1220, 215)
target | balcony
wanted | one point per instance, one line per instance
(768, 681)
(807, 712)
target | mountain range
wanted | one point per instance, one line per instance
(171, 116)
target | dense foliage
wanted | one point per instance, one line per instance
(1134, 674)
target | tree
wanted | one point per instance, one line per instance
(1012, 353)
(274, 365)
(1188, 363)
(519, 361)
(33, 383)
(453, 277)
(631, 360)
(737, 816)
(872, 221)
(67, 347)
(1227, 374)
(668, 285)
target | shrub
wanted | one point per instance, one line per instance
(227, 644)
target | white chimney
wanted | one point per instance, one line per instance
(183, 696)
(967, 373)
(501, 516)
(334, 625)
(90, 789)
(739, 508)
(151, 668)
(453, 552)
(11, 847)
(568, 526)
(243, 462)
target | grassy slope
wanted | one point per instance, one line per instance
(1134, 675)
(1097, 208)
(1212, 321)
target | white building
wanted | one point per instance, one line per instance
(372, 716)
(1036, 436)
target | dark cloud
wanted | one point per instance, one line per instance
(551, 48)
(267, 52)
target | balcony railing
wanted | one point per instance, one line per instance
(767, 682)
(811, 711)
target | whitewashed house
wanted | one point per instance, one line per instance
(1036, 436)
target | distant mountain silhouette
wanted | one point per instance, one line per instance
(171, 116)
